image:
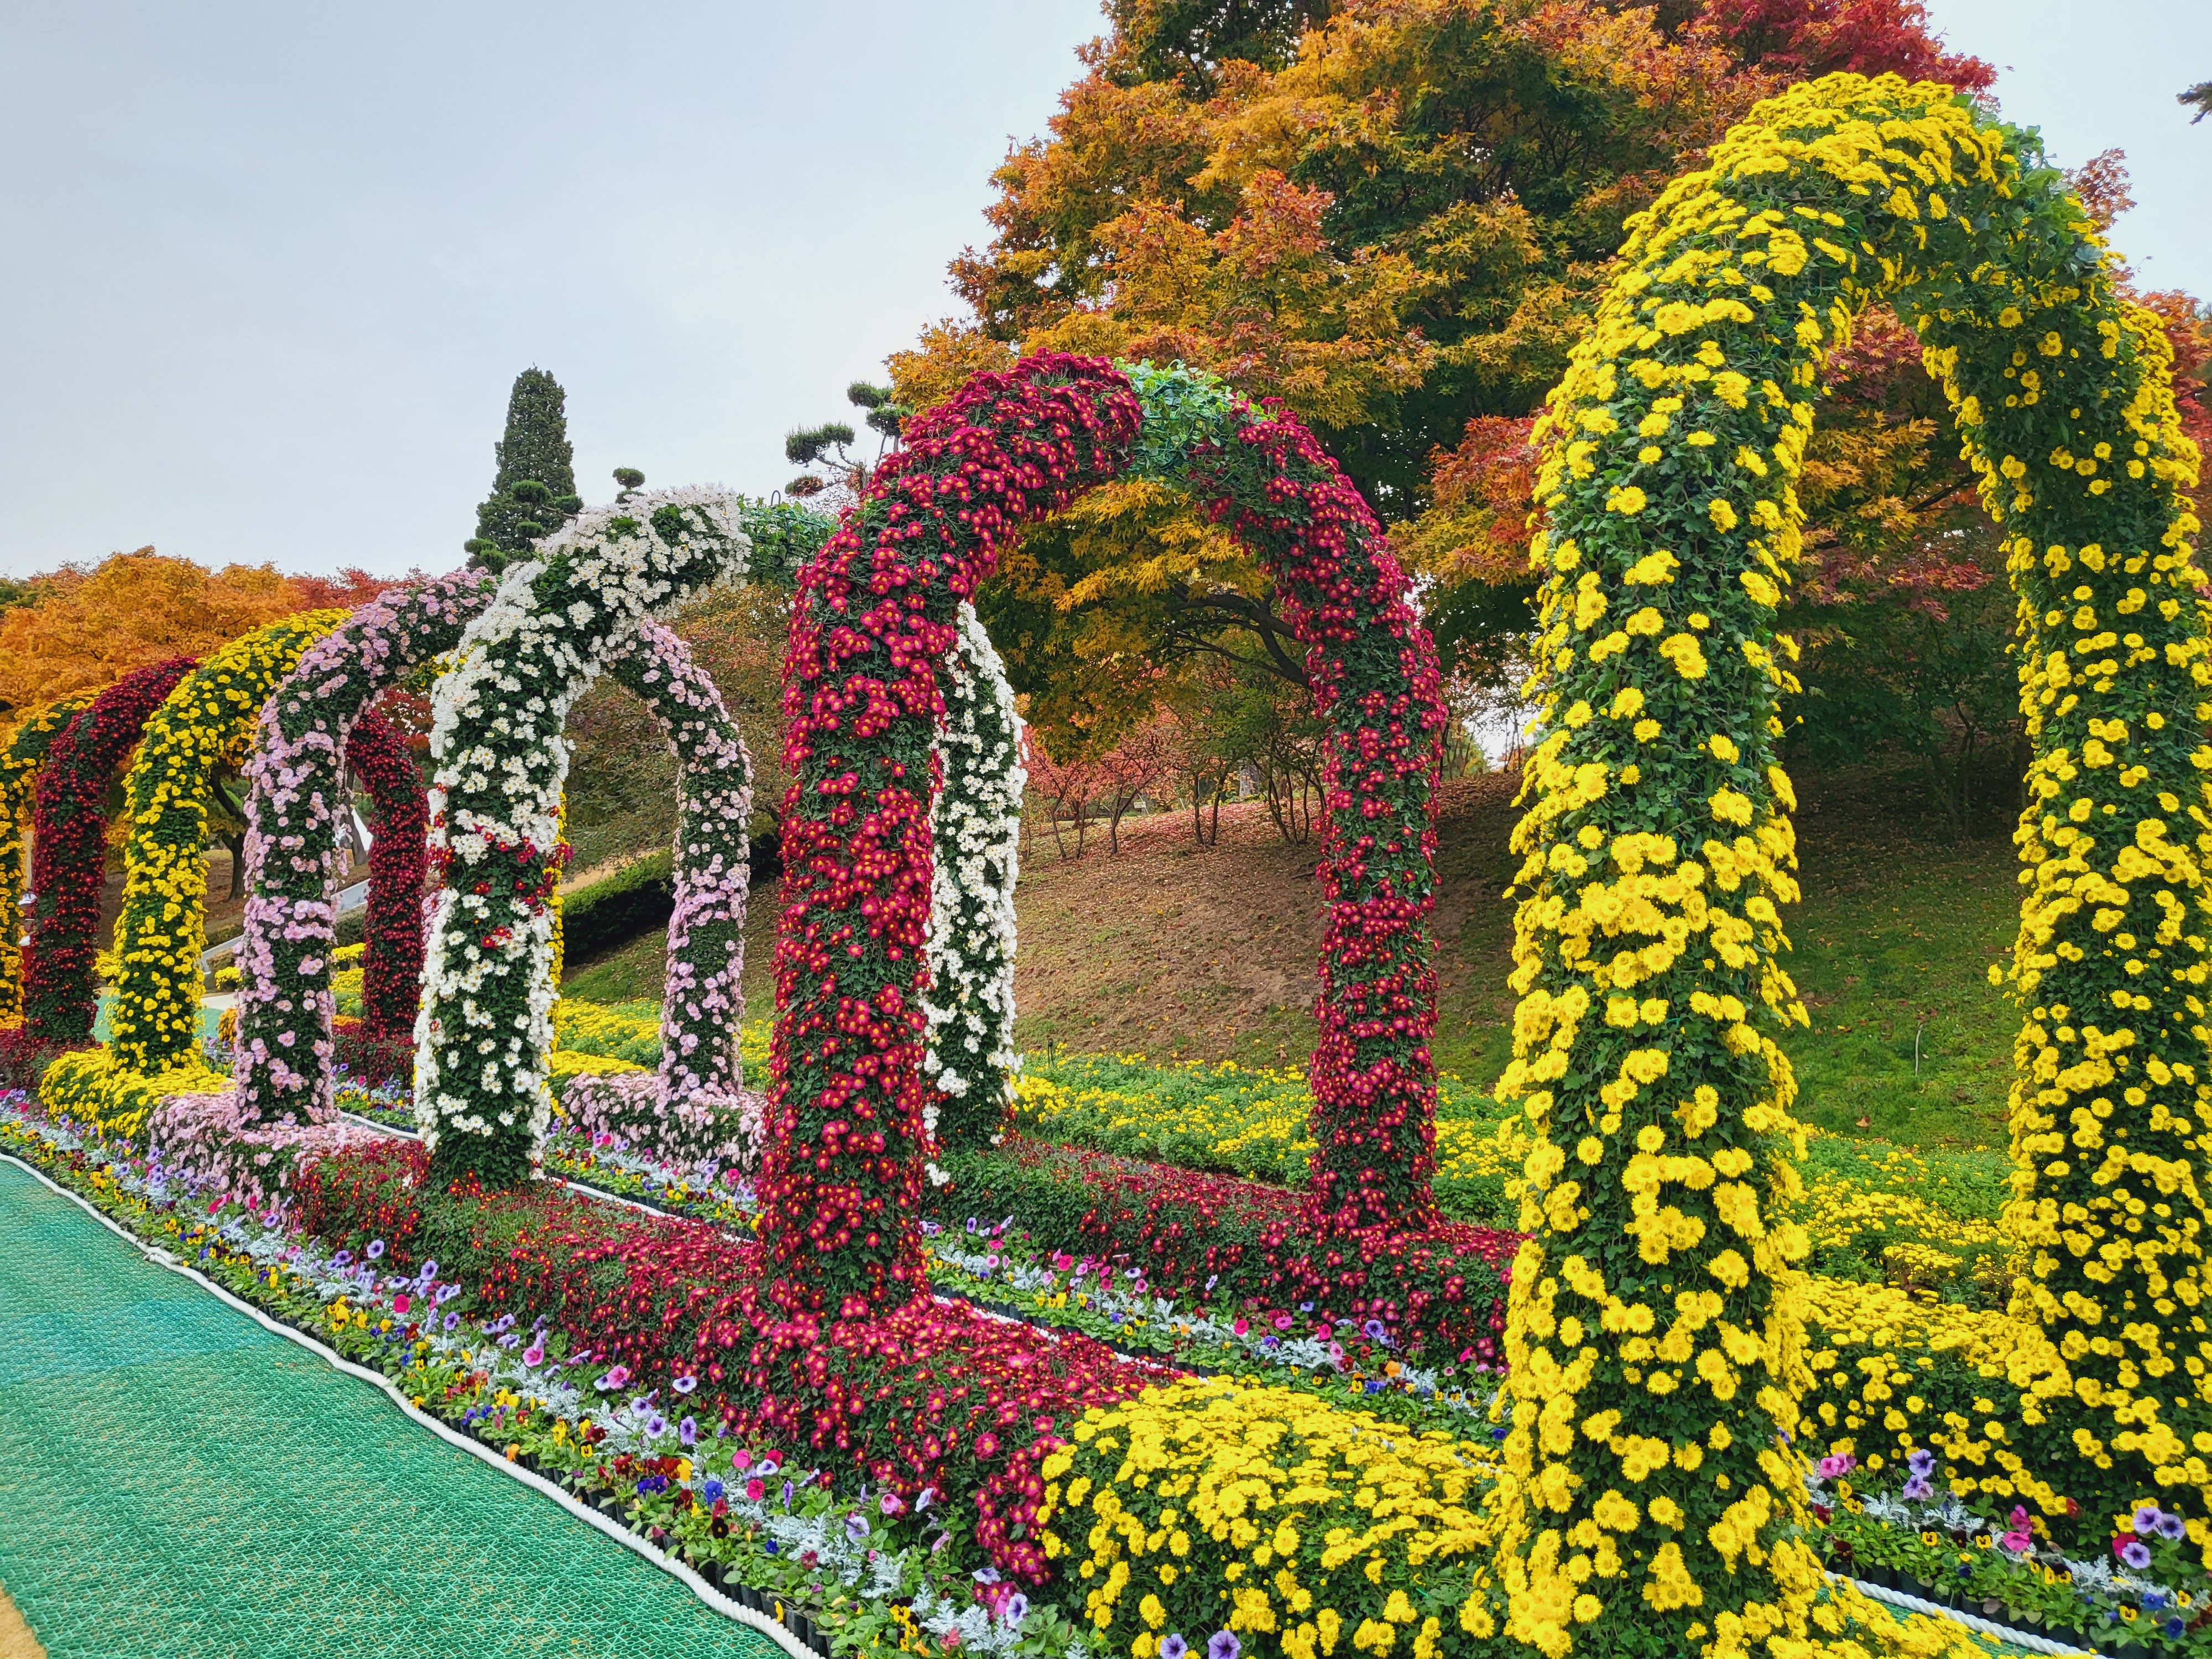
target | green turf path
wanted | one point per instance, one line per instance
(176, 1480)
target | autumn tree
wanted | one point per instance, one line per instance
(1391, 215)
(533, 489)
(1137, 767)
(83, 629)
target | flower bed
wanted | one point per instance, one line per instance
(762, 1523)
(1253, 1122)
(1439, 1292)
(539, 1328)
(1168, 1505)
(927, 1399)
(522, 1382)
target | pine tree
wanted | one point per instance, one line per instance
(533, 491)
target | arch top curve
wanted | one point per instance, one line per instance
(875, 614)
(498, 759)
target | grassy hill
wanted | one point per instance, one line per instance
(1174, 951)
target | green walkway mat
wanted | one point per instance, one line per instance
(177, 1479)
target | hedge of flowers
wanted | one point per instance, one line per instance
(96, 1088)
(968, 1055)
(930, 1402)
(877, 610)
(1893, 1375)
(498, 759)
(69, 850)
(1253, 1121)
(308, 732)
(208, 720)
(24, 753)
(1315, 1526)
(1440, 1292)
(1656, 1338)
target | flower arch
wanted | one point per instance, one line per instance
(68, 849)
(875, 616)
(695, 1108)
(27, 748)
(1656, 1334)
(282, 1057)
(499, 758)
(207, 720)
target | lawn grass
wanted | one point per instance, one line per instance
(1176, 953)
(1901, 917)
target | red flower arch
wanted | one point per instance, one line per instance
(874, 616)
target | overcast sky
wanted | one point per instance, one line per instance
(272, 267)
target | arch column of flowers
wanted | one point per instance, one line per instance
(976, 837)
(392, 931)
(1653, 1499)
(308, 729)
(69, 850)
(876, 615)
(498, 761)
(26, 752)
(208, 720)
(695, 1108)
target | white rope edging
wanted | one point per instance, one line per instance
(2018, 1639)
(668, 1564)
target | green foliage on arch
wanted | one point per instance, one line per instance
(1655, 1336)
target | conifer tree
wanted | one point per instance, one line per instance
(533, 491)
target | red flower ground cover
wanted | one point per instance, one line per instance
(1440, 1290)
(930, 1396)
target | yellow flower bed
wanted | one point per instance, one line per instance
(1893, 1373)
(563, 1066)
(594, 1028)
(95, 1088)
(1243, 1120)
(1217, 1506)
(1895, 1209)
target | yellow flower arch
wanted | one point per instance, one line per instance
(1655, 1332)
(208, 720)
